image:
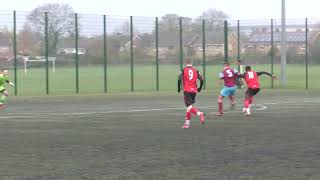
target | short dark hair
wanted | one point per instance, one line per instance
(248, 68)
(188, 60)
(226, 63)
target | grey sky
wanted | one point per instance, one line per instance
(236, 9)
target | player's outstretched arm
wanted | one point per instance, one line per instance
(179, 85)
(263, 72)
(11, 83)
(179, 81)
(220, 80)
(241, 75)
(266, 73)
(201, 82)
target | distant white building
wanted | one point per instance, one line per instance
(67, 47)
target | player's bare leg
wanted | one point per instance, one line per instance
(246, 108)
(220, 103)
(250, 100)
(3, 98)
(232, 101)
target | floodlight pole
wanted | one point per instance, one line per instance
(283, 75)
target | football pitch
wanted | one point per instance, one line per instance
(139, 136)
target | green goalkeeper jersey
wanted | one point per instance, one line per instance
(3, 79)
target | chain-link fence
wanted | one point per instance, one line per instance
(51, 53)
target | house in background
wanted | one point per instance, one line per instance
(169, 44)
(5, 47)
(126, 47)
(215, 44)
(67, 47)
(261, 42)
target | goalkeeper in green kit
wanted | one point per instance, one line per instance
(3, 91)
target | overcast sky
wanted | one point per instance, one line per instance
(236, 9)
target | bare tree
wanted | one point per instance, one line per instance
(61, 21)
(214, 18)
(169, 23)
(125, 29)
(28, 40)
(187, 24)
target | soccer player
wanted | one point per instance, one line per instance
(252, 80)
(3, 91)
(189, 76)
(239, 81)
(228, 76)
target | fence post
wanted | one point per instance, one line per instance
(47, 53)
(180, 42)
(105, 52)
(15, 52)
(131, 52)
(77, 54)
(204, 52)
(272, 53)
(157, 54)
(225, 41)
(238, 34)
(306, 54)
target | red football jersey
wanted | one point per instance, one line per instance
(252, 80)
(189, 77)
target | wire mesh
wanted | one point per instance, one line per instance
(251, 41)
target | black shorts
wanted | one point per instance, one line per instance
(252, 92)
(189, 98)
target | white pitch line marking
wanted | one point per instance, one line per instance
(99, 112)
(291, 102)
(261, 108)
(14, 117)
(311, 101)
(270, 103)
(30, 116)
(137, 115)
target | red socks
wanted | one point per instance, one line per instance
(220, 107)
(188, 115)
(246, 103)
(194, 111)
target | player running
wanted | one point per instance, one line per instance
(229, 77)
(3, 91)
(252, 80)
(189, 76)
